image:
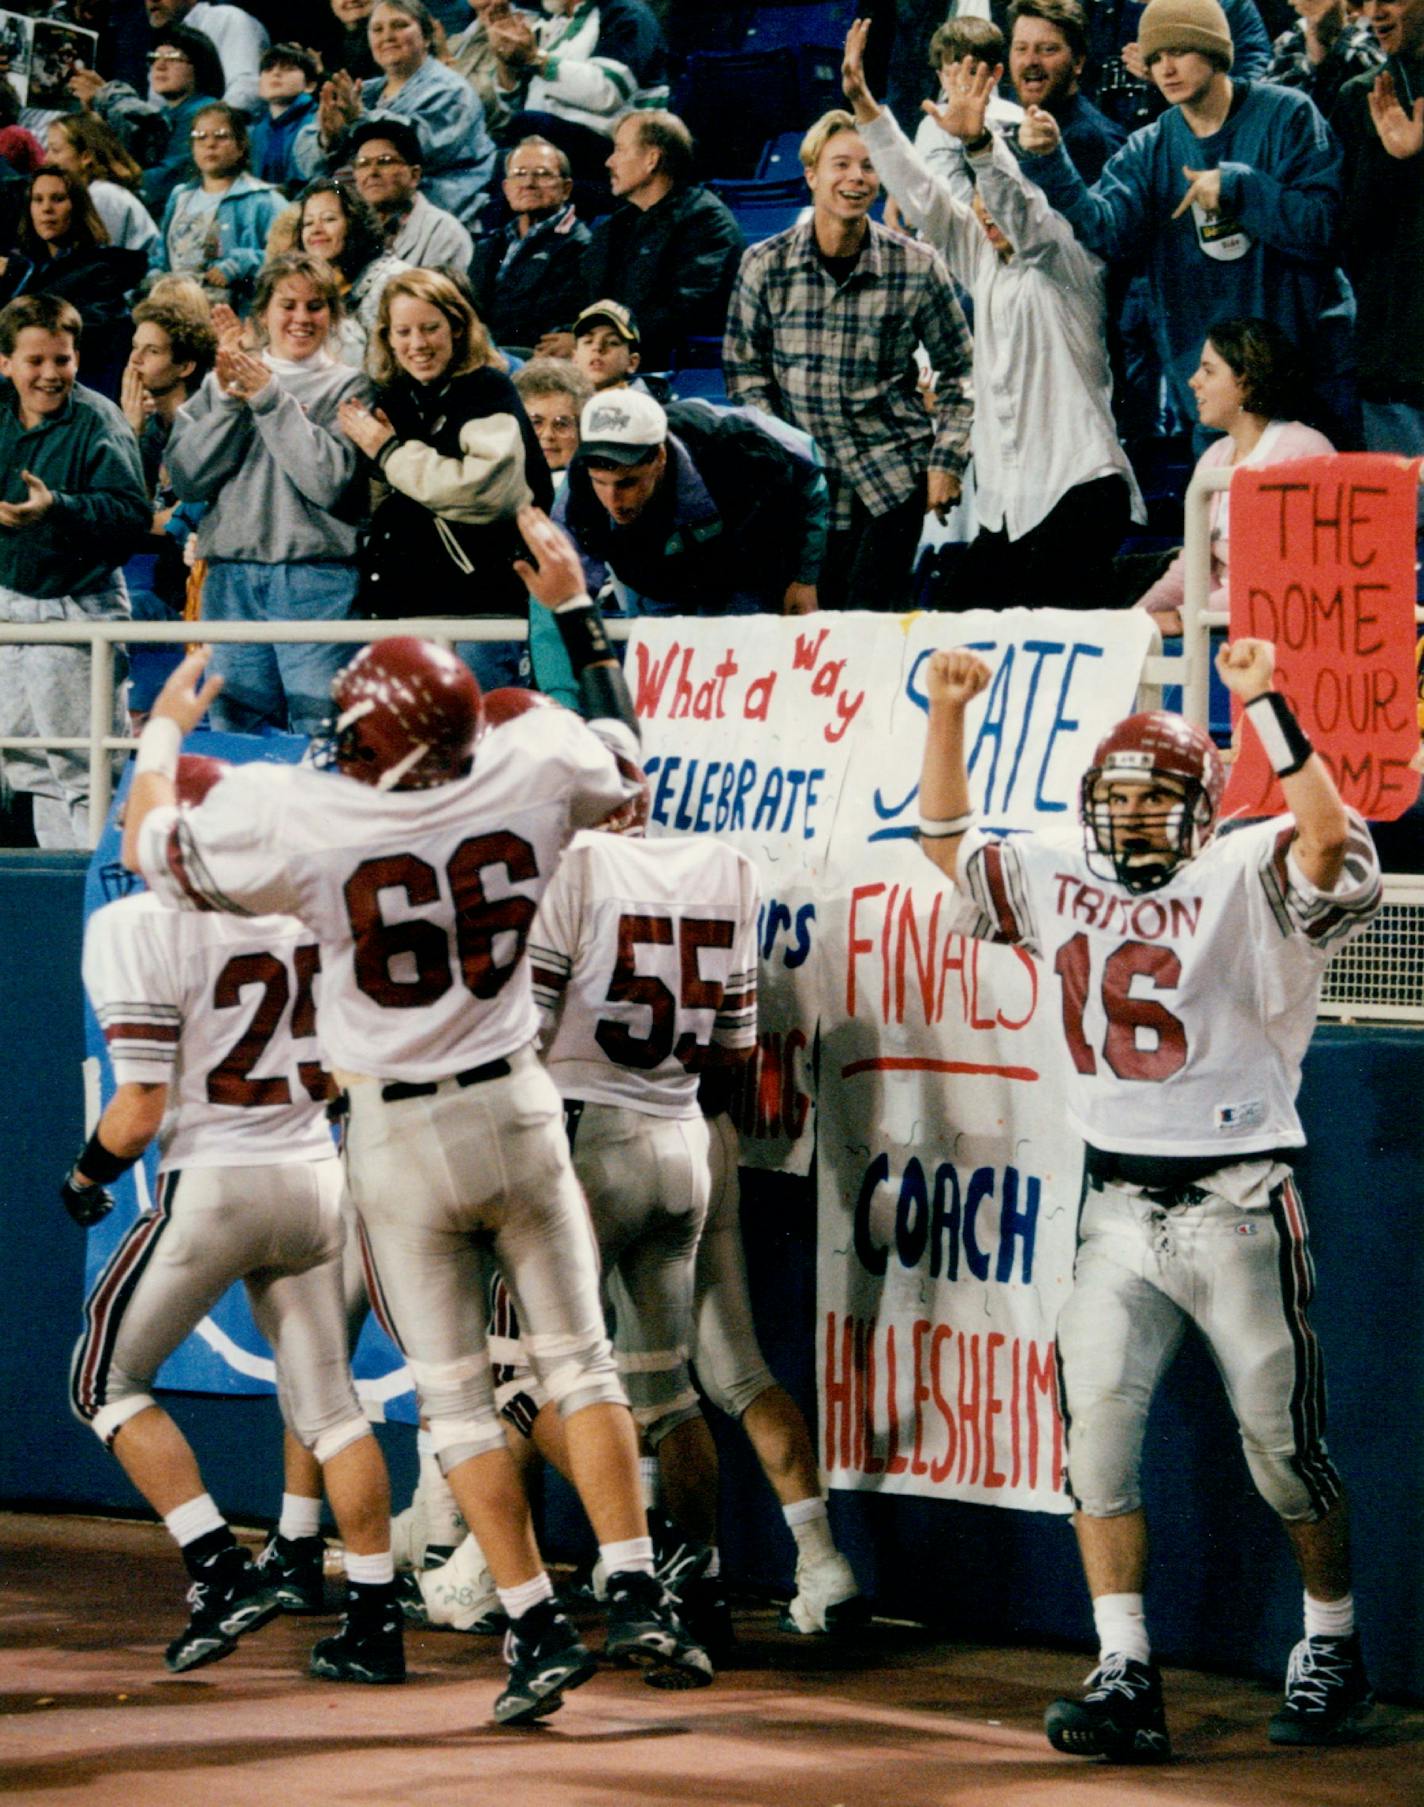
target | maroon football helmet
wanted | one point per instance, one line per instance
(510, 701)
(196, 775)
(408, 715)
(1145, 847)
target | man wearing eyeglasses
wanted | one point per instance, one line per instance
(385, 160)
(526, 277)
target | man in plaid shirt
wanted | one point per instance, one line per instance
(822, 330)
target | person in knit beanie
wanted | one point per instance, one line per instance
(1231, 198)
(1186, 25)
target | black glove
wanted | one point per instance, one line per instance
(87, 1205)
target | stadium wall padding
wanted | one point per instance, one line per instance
(1223, 1591)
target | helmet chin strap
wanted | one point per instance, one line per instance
(390, 778)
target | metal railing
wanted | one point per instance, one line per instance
(101, 637)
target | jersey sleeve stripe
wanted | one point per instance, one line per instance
(993, 887)
(192, 876)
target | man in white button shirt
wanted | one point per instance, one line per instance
(1053, 487)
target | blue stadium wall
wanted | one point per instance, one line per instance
(1223, 1592)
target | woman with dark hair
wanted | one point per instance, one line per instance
(82, 144)
(1248, 387)
(451, 439)
(335, 223)
(186, 74)
(63, 249)
(259, 443)
(457, 157)
(216, 227)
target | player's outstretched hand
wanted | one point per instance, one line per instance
(87, 1205)
(553, 573)
(187, 694)
(1246, 667)
(955, 678)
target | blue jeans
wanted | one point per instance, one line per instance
(277, 686)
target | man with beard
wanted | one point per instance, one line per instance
(1048, 46)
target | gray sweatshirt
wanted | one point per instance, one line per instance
(281, 478)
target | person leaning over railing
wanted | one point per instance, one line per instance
(259, 442)
(73, 507)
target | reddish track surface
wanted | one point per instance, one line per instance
(89, 1715)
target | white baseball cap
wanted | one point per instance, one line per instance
(623, 426)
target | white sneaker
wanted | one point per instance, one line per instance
(461, 1593)
(827, 1597)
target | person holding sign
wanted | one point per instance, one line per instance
(1248, 387)
(1189, 967)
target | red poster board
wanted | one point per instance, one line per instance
(1322, 564)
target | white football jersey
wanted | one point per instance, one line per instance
(421, 900)
(643, 953)
(223, 1012)
(1185, 1012)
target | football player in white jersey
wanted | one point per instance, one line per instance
(615, 904)
(417, 863)
(210, 1023)
(1189, 966)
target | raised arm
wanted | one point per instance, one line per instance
(952, 681)
(1322, 825)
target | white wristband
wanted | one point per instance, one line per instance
(158, 747)
(949, 825)
(582, 601)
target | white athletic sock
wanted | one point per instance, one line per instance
(632, 1553)
(369, 1571)
(810, 1525)
(424, 1446)
(1329, 1618)
(194, 1519)
(1122, 1628)
(301, 1517)
(516, 1601)
(650, 1474)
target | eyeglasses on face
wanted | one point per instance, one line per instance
(532, 175)
(219, 135)
(556, 423)
(384, 161)
(168, 56)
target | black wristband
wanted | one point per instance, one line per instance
(973, 146)
(584, 636)
(1286, 742)
(97, 1164)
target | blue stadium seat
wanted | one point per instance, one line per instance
(732, 100)
(780, 156)
(698, 384)
(789, 23)
(763, 209)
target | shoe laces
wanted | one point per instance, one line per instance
(1317, 1668)
(1117, 1675)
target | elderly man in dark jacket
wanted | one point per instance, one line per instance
(527, 277)
(696, 510)
(670, 253)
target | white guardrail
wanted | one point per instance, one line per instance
(1380, 976)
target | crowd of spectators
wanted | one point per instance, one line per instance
(344, 302)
